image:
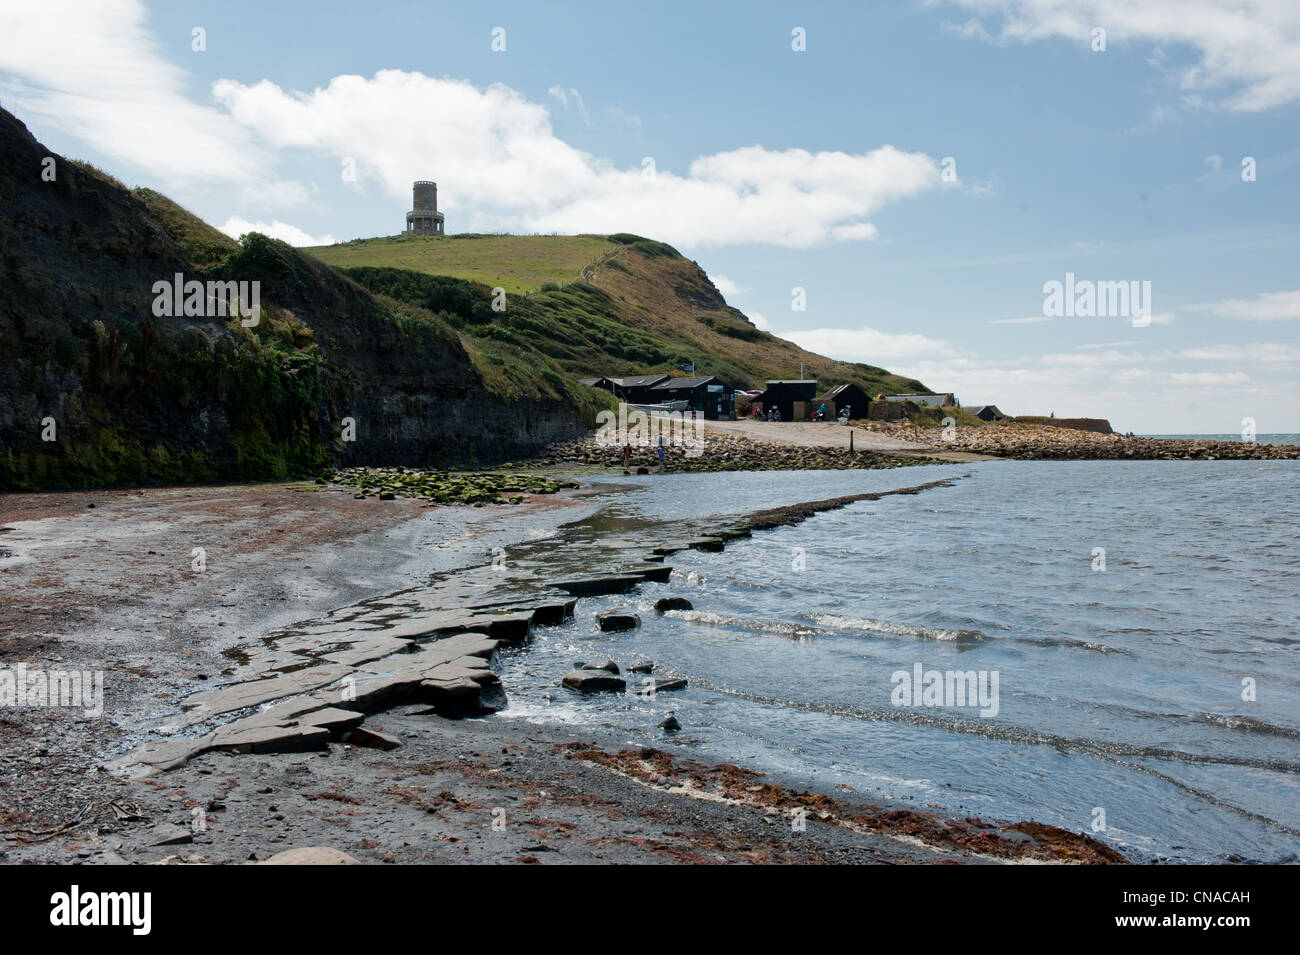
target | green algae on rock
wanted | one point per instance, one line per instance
(444, 487)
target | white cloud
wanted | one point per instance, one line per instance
(92, 69)
(724, 285)
(96, 72)
(868, 344)
(1209, 379)
(235, 227)
(760, 321)
(1260, 352)
(1265, 307)
(561, 95)
(1250, 49)
(507, 164)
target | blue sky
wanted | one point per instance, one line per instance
(775, 169)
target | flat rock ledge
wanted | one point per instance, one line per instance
(316, 706)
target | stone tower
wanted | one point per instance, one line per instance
(424, 217)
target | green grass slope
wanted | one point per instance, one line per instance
(517, 263)
(592, 305)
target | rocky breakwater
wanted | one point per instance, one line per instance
(1063, 444)
(720, 452)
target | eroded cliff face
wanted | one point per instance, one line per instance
(96, 388)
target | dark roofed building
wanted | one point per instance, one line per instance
(706, 395)
(782, 394)
(843, 396)
(986, 412)
(636, 389)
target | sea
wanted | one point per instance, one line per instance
(1106, 646)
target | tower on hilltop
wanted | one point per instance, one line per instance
(424, 217)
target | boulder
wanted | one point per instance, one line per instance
(594, 681)
(609, 665)
(616, 621)
(664, 604)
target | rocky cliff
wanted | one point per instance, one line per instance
(97, 388)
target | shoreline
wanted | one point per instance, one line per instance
(261, 802)
(1047, 443)
(750, 445)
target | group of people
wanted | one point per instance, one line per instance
(662, 452)
(774, 413)
(820, 413)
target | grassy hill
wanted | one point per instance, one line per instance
(594, 305)
(516, 263)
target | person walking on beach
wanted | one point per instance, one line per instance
(663, 454)
(627, 455)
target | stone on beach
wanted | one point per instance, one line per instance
(664, 604)
(594, 681)
(616, 621)
(371, 738)
(310, 855)
(666, 684)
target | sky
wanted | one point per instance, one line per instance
(894, 183)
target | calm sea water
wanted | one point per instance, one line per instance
(1159, 695)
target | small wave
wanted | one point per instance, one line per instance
(1090, 645)
(837, 622)
(782, 627)
(1249, 724)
